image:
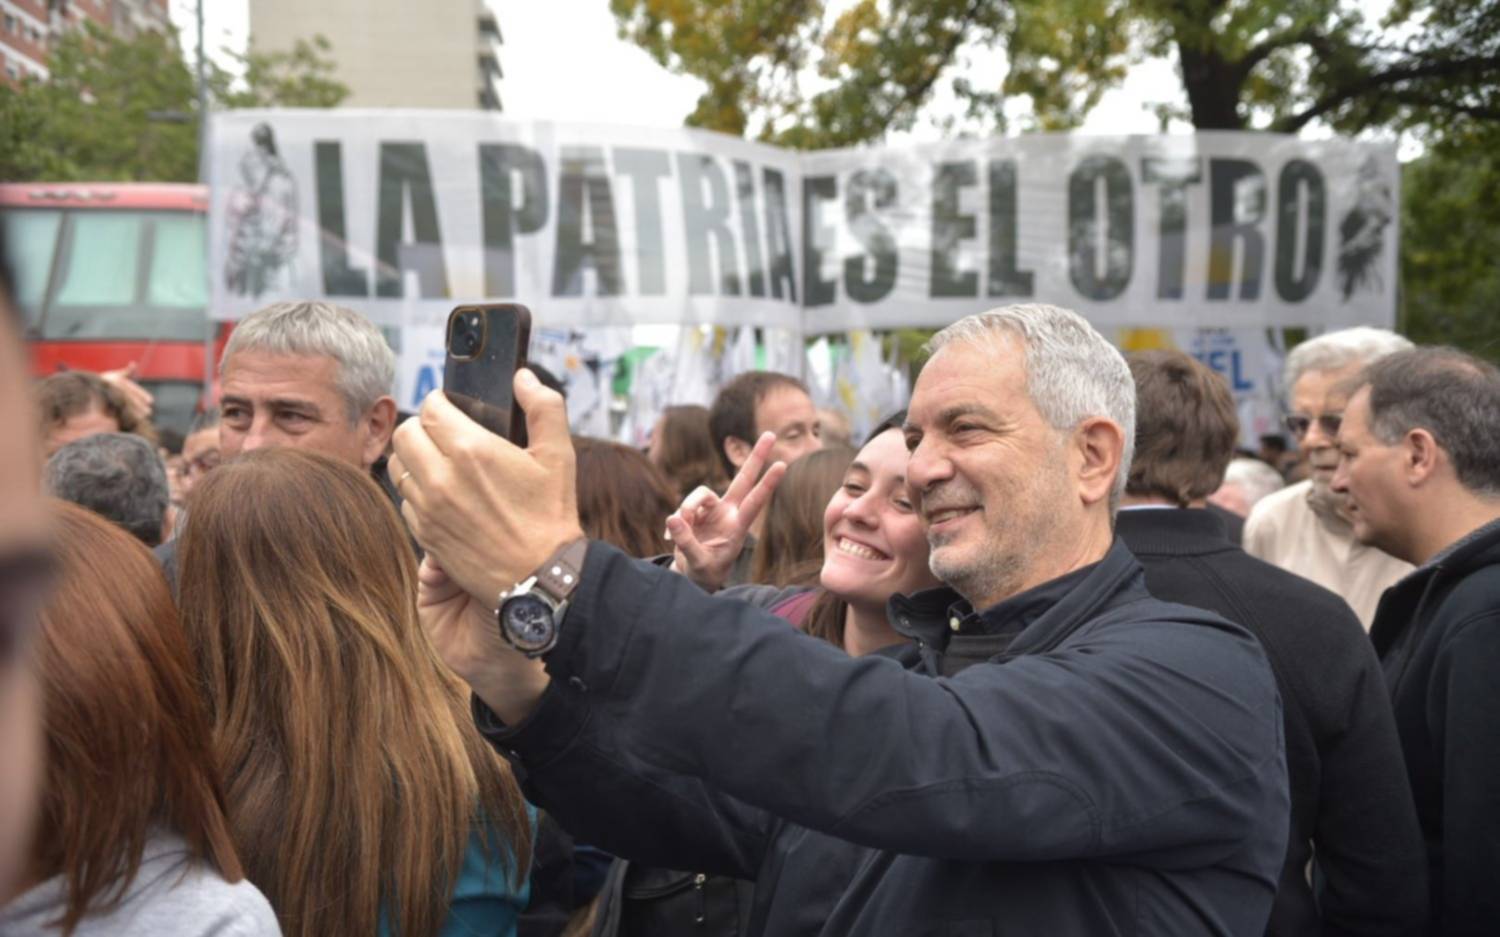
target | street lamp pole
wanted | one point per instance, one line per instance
(208, 334)
(202, 101)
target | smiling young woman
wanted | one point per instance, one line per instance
(873, 547)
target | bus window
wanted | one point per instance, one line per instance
(100, 294)
(179, 265)
(31, 242)
(102, 260)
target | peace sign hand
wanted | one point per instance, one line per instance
(708, 531)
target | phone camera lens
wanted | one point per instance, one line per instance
(467, 331)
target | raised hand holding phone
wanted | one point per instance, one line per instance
(486, 344)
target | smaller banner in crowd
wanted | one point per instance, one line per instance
(850, 375)
(1248, 359)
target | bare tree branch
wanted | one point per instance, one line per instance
(1374, 82)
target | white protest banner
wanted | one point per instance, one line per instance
(400, 214)
(403, 213)
(1216, 230)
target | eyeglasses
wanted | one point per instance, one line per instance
(1298, 424)
(25, 584)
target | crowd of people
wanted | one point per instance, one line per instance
(1046, 652)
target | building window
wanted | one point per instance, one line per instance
(10, 23)
(13, 72)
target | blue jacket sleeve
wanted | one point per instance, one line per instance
(1143, 739)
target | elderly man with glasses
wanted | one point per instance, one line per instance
(1305, 527)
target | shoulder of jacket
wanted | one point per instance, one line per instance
(1472, 596)
(247, 913)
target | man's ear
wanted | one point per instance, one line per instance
(1098, 446)
(737, 450)
(1421, 456)
(380, 423)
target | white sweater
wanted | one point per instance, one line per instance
(171, 896)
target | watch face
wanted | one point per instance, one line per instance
(528, 622)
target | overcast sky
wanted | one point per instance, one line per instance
(562, 60)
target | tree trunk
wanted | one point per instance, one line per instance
(1213, 88)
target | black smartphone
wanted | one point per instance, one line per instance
(486, 344)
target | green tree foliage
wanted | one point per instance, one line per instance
(126, 109)
(1266, 64)
(1450, 242)
(302, 77)
(779, 72)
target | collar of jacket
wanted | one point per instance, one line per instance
(1474, 551)
(923, 617)
(1172, 532)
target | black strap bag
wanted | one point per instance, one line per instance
(640, 901)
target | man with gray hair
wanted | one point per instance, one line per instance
(1304, 528)
(118, 476)
(311, 375)
(1054, 752)
(1420, 464)
(307, 374)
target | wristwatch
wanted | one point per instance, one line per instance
(530, 613)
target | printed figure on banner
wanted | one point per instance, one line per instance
(261, 224)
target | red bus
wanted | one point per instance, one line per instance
(110, 273)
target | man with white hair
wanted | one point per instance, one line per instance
(1246, 483)
(1304, 528)
(1055, 752)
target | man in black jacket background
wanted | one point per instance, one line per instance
(1352, 810)
(1056, 753)
(1420, 462)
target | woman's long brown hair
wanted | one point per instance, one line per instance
(354, 772)
(128, 740)
(687, 455)
(623, 499)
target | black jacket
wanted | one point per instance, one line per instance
(1119, 769)
(1351, 804)
(1438, 635)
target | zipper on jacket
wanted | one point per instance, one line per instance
(698, 881)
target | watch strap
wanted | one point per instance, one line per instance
(559, 575)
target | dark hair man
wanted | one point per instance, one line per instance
(1056, 753)
(759, 402)
(750, 405)
(117, 476)
(1351, 805)
(1420, 463)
